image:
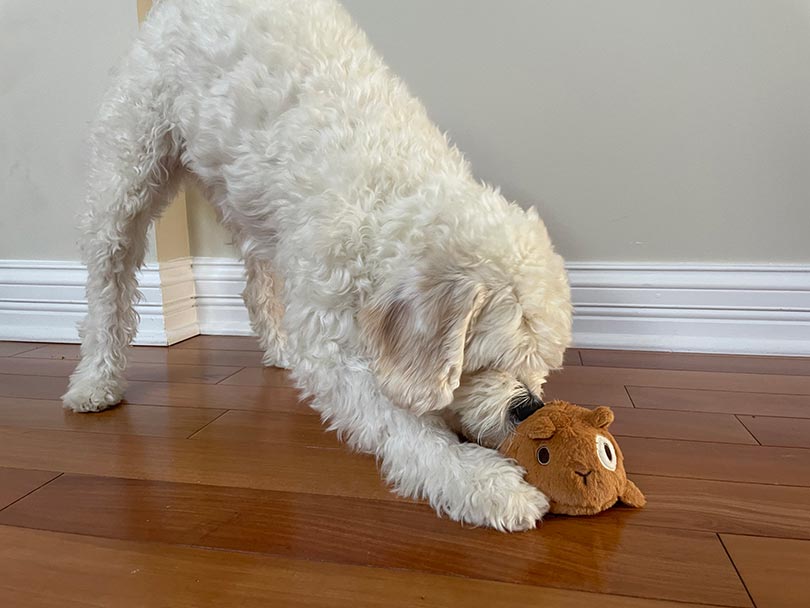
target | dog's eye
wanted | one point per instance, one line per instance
(543, 455)
(606, 452)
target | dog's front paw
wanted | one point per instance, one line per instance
(500, 498)
(510, 507)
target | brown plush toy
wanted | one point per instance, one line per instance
(569, 455)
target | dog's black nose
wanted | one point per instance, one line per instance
(524, 406)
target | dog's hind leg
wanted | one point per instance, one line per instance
(134, 157)
(263, 299)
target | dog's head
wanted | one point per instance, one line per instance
(473, 329)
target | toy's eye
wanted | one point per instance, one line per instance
(606, 452)
(543, 455)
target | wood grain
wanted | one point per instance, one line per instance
(283, 515)
(304, 429)
(163, 393)
(570, 553)
(32, 387)
(713, 381)
(84, 571)
(259, 376)
(147, 372)
(571, 357)
(697, 362)
(8, 349)
(262, 466)
(665, 424)
(728, 402)
(264, 399)
(790, 432)
(720, 506)
(720, 461)
(124, 420)
(587, 394)
(158, 354)
(16, 483)
(220, 343)
(774, 569)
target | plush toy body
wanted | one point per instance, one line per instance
(571, 457)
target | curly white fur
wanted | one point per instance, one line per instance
(396, 277)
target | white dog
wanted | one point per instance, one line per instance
(400, 291)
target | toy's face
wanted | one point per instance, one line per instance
(571, 457)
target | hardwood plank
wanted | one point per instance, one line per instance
(220, 343)
(259, 376)
(158, 354)
(146, 372)
(125, 420)
(774, 569)
(691, 426)
(799, 366)
(32, 387)
(95, 572)
(720, 461)
(9, 349)
(728, 402)
(587, 394)
(37, 367)
(718, 381)
(568, 553)
(303, 429)
(164, 393)
(720, 506)
(16, 483)
(571, 357)
(307, 429)
(789, 432)
(262, 465)
(258, 398)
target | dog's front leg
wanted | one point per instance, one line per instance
(422, 458)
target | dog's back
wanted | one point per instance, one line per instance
(289, 97)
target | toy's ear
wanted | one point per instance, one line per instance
(601, 417)
(415, 329)
(632, 496)
(542, 428)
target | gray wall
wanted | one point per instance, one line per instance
(644, 130)
(54, 60)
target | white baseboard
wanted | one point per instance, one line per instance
(219, 285)
(679, 307)
(701, 308)
(43, 301)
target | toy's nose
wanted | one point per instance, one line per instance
(584, 476)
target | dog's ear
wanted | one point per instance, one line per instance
(416, 331)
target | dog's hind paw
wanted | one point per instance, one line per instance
(86, 395)
(271, 361)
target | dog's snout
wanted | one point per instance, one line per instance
(523, 406)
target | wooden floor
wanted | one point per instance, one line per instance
(214, 486)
